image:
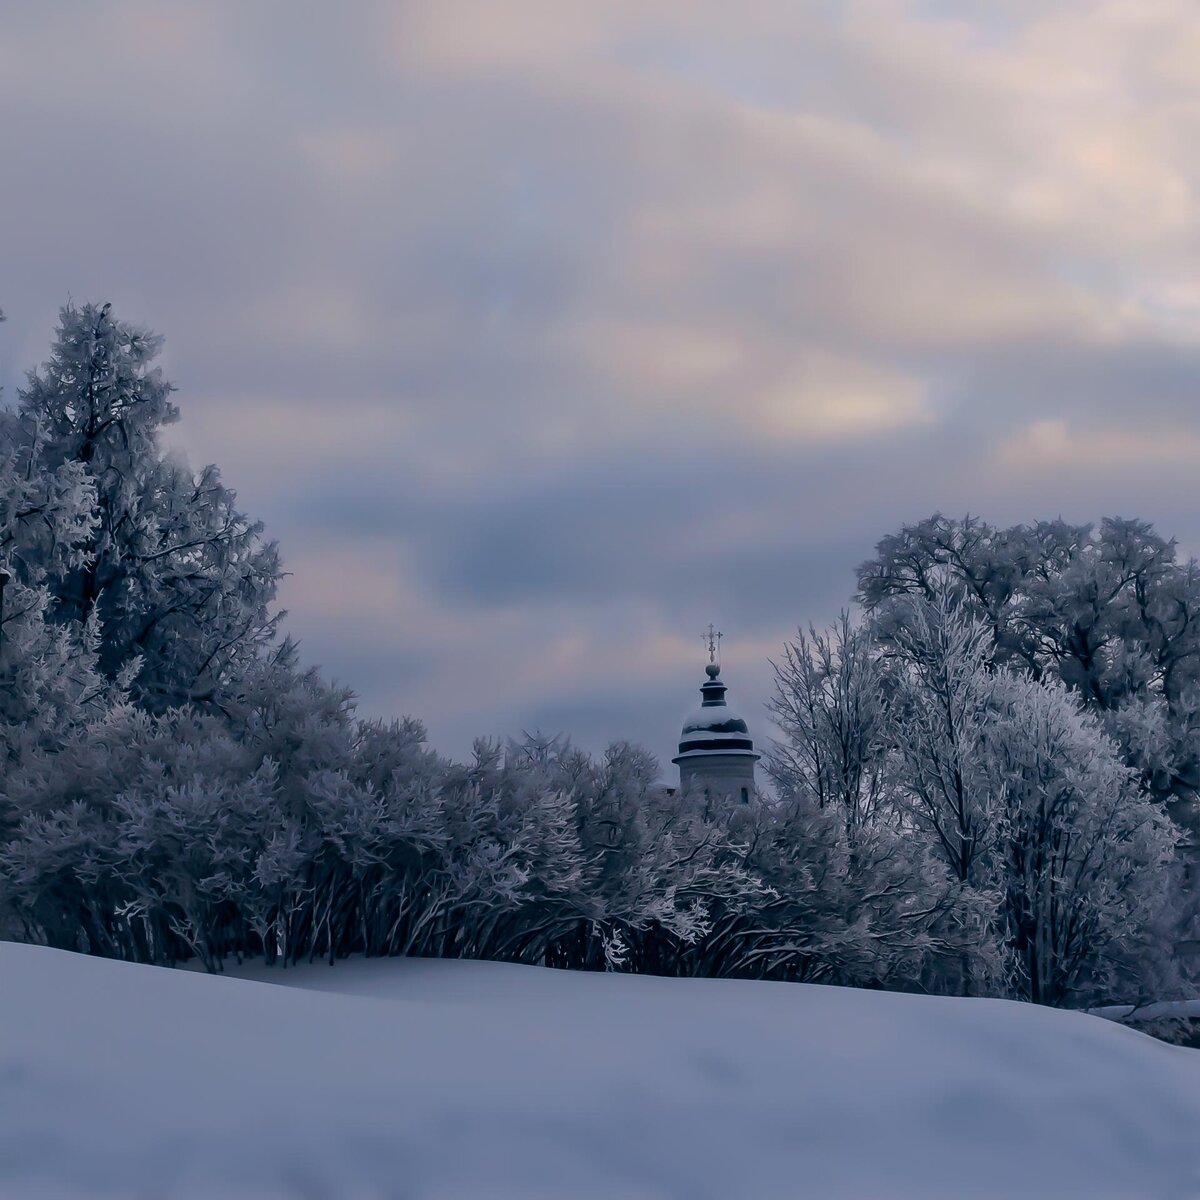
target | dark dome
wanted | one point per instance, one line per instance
(714, 727)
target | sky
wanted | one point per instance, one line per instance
(540, 334)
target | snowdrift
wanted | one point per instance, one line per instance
(414, 1079)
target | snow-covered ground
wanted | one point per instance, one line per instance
(413, 1079)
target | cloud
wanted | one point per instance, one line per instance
(1055, 444)
(540, 335)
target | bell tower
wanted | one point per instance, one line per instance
(716, 752)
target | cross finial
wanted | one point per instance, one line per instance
(712, 641)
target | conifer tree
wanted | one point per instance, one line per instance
(176, 578)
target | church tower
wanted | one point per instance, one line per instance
(715, 749)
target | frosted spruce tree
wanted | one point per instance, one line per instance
(173, 575)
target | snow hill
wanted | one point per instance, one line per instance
(413, 1079)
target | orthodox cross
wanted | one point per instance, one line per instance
(712, 640)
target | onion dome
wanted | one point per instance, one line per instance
(714, 728)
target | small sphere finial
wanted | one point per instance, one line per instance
(712, 670)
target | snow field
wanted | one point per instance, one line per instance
(423, 1080)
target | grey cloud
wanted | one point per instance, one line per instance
(503, 317)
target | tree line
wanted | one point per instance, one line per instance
(985, 783)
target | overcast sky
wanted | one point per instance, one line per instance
(542, 334)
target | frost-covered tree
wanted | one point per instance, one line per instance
(180, 580)
(868, 898)
(1031, 805)
(1038, 863)
(970, 785)
(50, 681)
(1090, 876)
(940, 704)
(653, 868)
(829, 703)
(1110, 611)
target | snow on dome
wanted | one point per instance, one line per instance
(714, 716)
